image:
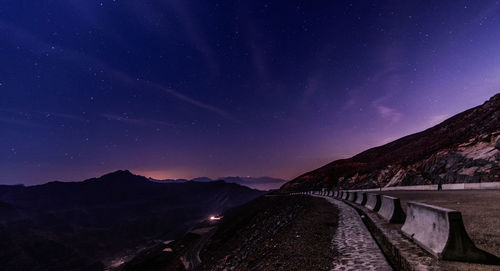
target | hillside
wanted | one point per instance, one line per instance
(91, 224)
(269, 233)
(464, 148)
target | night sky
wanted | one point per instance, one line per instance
(181, 89)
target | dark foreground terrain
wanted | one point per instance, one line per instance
(92, 224)
(269, 233)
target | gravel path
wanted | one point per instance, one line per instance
(355, 246)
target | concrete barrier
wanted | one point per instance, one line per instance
(352, 196)
(344, 195)
(390, 210)
(441, 232)
(373, 202)
(360, 198)
(456, 186)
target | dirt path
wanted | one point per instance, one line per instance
(192, 256)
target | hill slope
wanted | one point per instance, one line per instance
(269, 233)
(464, 148)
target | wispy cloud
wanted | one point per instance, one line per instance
(257, 52)
(192, 101)
(18, 122)
(386, 112)
(389, 113)
(386, 78)
(32, 118)
(193, 32)
(126, 79)
(137, 121)
(63, 116)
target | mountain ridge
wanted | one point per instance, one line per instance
(260, 183)
(86, 225)
(421, 158)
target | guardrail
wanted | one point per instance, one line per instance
(441, 232)
(373, 202)
(360, 198)
(455, 186)
(390, 210)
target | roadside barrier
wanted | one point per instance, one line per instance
(390, 210)
(352, 196)
(360, 198)
(441, 232)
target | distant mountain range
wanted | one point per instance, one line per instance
(259, 183)
(464, 148)
(88, 225)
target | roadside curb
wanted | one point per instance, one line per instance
(402, 253)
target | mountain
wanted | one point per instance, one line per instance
(464, 148)
(91, 224)
(259, 183)
(168, 180)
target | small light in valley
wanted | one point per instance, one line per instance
(213, 218)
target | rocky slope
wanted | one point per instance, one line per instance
(465, 148)
(269, 233)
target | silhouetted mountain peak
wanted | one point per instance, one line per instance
(119, 173)
(202, 180)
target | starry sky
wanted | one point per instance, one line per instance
(181, 89)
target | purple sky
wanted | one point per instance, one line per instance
(181, 89)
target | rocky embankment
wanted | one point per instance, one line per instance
(269, 233)
(463, 149)
(475, 161)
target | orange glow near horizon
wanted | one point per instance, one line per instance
(188, 174)
(162, 174)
